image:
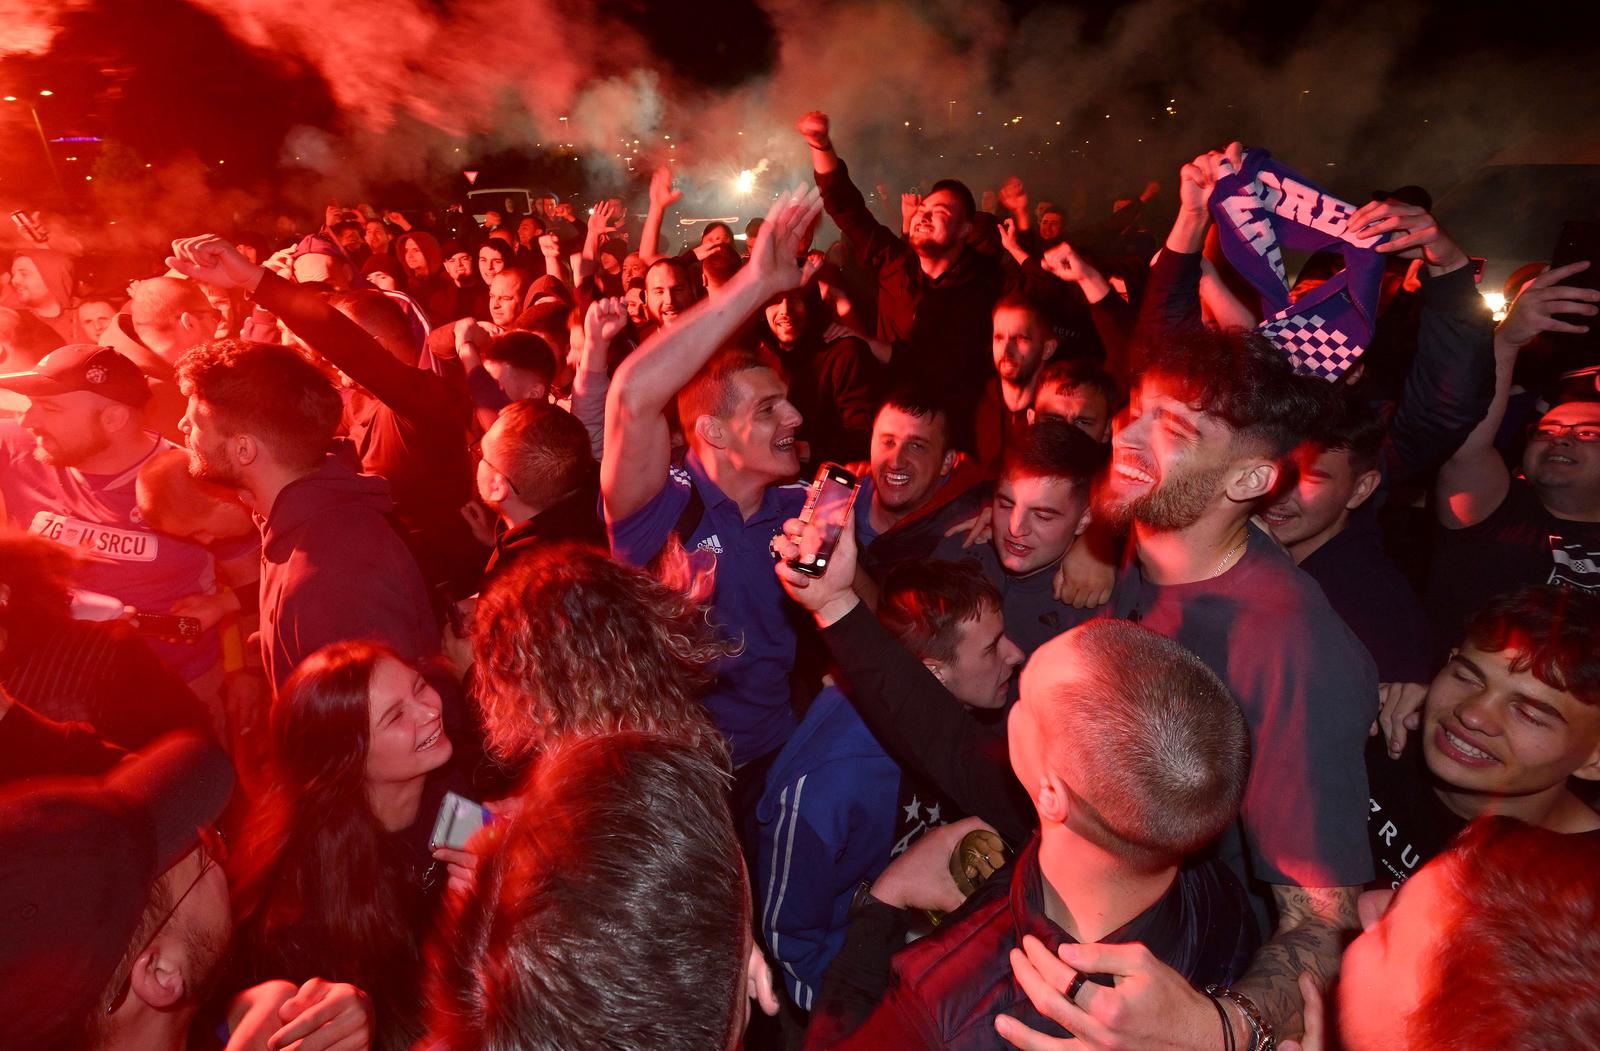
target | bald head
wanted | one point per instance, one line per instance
(170, 315)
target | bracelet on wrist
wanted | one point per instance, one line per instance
(1227, 1023)
(1261, 1036)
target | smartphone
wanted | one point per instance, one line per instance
(165, 625)
(32, 230)
(832, 493)
(459, 819)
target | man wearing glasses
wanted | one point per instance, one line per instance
(116, 914)
(1542, 526)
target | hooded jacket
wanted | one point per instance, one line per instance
(411, 431)
(333, 569)
(55, 270)
(435, 291)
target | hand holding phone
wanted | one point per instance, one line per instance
(458, 821)
(827, 505)
(166, 625)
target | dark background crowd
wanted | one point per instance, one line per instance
(414, 631)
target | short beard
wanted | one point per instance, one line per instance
(1175, 504)
(208, 471)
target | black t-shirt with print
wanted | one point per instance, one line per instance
(1519, 543)
(1407, 823)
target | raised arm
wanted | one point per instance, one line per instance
(603, 222)
(1172, 297)
(637, 442)
(662, 197)
(867, 236)
(404, 388)
(1474, 481)
(909, 710)
(605, 319)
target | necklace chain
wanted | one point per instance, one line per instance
(1229, 556)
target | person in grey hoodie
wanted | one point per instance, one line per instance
(262, 419)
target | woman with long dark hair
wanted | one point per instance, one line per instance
(334, 879)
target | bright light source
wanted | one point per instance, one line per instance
(1496, 302)
(46, 93)
(11, 98)
(744, 182)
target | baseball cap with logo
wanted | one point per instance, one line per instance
(82, 367)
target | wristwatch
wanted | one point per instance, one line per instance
(864, 900)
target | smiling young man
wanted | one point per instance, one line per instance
(1320, 520)
(1512, 717)
(916, 486)
(1210, 423)
(935, 292)
(1039, 507)
(1504, 530)
(729, 496)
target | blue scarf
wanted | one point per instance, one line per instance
(1266, 207)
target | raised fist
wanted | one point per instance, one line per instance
(814, 128)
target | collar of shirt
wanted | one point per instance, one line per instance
(1160, 928)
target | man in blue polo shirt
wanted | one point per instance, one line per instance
(727, 498)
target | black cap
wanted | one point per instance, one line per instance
(78, 860)
(82, 367)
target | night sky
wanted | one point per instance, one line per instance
(166, 83)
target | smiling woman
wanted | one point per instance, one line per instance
(358, 744)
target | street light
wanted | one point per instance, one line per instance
(38, 125)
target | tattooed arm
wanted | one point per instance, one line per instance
(1313, 925)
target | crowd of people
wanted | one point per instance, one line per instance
(1209, 660)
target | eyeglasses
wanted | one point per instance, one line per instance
(477, 454)
(1581, 432)
(213, 851)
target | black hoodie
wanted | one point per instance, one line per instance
(333, 568)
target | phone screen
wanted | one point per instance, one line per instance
(832, 493)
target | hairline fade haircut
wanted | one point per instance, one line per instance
(713, 391)
(1158, 748)
(925, 602)
(266, 391)
(919, 401)
(1242, 379)
(1053, 448)
(543, 450)
(1027, 305)
(612, 911)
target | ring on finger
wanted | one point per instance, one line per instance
(1078, 981)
